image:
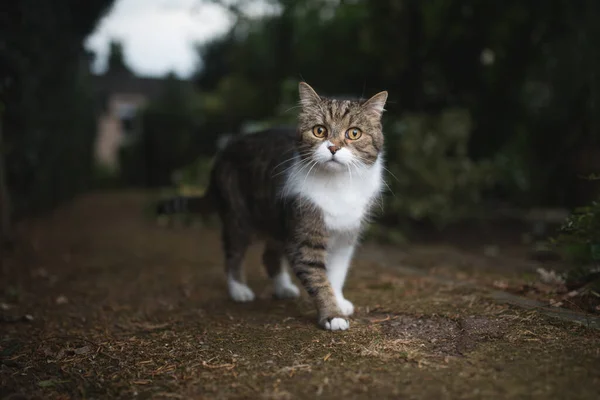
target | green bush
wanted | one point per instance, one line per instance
(579, 244)
(580, 235)
(431, 175)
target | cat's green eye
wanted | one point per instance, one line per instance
(319, 131)
(353, 133)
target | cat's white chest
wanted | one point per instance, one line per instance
(343, 198)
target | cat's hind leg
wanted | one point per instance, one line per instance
(276, 265)
(235, 243)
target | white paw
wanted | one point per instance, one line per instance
(240, 292)
(337, 324)
(284, 288)
(346, 306)
(287, 292)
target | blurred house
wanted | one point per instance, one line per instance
(121, 96)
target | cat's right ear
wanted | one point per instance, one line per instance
(308, 96)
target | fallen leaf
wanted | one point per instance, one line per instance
(62, 300)
(327, 357)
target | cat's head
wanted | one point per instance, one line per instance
(337, 135)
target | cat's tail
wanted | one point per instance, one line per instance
(202, 205)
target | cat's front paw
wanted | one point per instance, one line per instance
(346, 306)
(335, 324)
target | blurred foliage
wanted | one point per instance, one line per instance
(580, 235)
(526, 72)
(583, 225)
(432, 177)
(579, 242)
(194, 178)
(48, 112)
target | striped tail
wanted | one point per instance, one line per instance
(185, 205)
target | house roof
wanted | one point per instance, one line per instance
(125, 83)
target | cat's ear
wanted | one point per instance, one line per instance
(376, 103)
(308, 96)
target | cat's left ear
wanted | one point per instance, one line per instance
(376, 103)
(308, 96)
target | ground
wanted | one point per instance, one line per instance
(104, 303)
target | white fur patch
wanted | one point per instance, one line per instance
(339, 255)
(239, 292)
(337, 324)
(346, 306)
(343, 191)
(283, 286)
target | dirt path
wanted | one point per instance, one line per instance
(108, 305)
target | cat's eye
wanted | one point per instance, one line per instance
(319, 131)
(353, 133)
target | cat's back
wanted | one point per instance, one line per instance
(255, 149)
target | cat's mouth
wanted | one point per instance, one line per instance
(333, 165)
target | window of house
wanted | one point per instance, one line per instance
(126, 113)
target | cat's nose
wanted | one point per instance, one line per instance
(333, 149)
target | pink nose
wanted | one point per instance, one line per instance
(333, 149)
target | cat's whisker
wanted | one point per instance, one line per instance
(308, 173)
(360, 160)
(389, 188)
(392, 174)
(296, 157)
(349, 165)
(289, 159)
(292, 108)
(305, 163)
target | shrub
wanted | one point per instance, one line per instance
(431, 175)
(580, 235)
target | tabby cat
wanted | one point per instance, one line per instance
(305, 192)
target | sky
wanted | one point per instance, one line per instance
(158, 35)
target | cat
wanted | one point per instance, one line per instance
(306, 192)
